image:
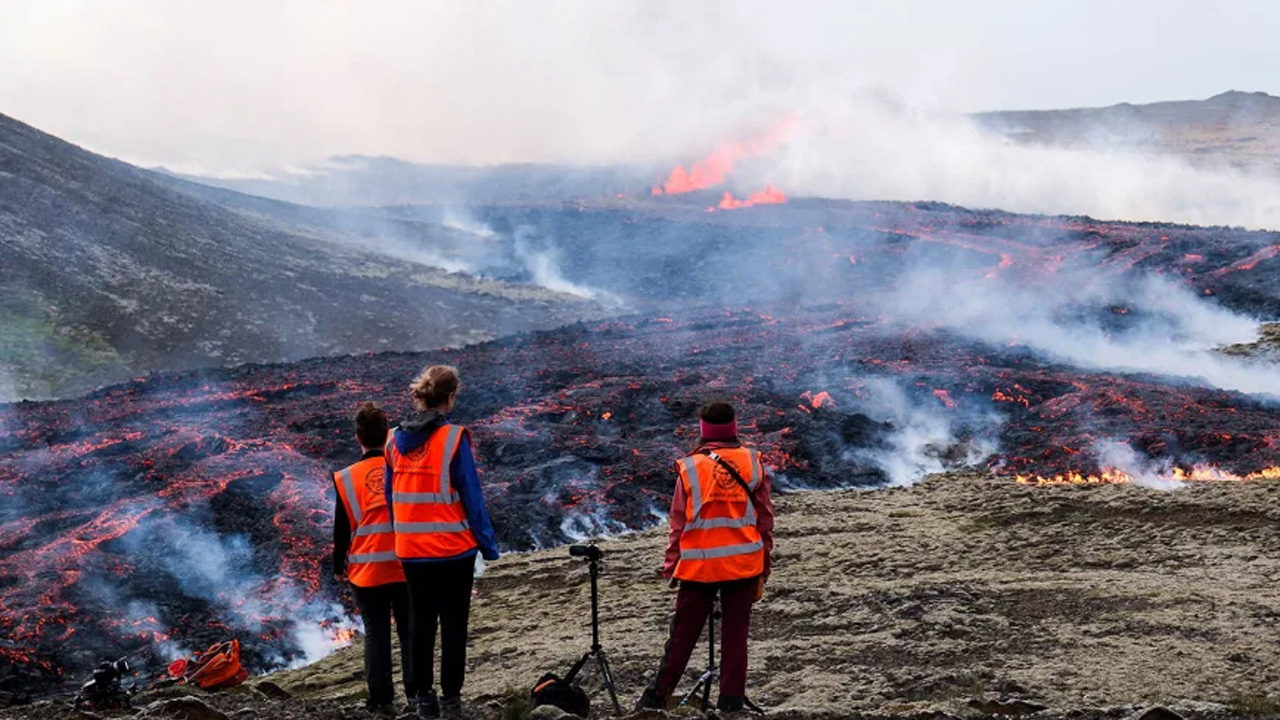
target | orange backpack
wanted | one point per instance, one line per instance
(214, 669)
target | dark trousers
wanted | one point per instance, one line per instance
(693, 607)
(377, 606)
(440, 593)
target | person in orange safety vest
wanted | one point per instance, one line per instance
(441, 524)
(364, 554)
(720, 543)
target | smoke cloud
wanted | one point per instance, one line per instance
(235, 88)
(923, 434)
(1144, 471)
(876, 148)
(1155, 326)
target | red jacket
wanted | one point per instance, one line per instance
(761, 499)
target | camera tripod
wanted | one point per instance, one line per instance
(593, 553)
(712, 675)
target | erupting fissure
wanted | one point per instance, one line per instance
(714, 170)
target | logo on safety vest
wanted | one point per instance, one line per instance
(417, 453)
(374, 482)
(726, 488)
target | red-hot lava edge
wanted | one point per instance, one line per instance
(172, 512)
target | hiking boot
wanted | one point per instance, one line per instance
(380, 709)
(451, 709)
(651, 700)
(428, 705)
(731, 703)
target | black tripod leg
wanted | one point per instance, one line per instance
(577, 667)
(607, 674)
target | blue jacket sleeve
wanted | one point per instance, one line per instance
(462, 472)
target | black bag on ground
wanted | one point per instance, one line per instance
(569, 697)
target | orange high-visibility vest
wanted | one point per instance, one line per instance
(371, 559)
(720, 541)
(430, 521)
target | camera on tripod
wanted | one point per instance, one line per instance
(565, 693)
(590, 552)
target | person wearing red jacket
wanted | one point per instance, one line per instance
(721, 544)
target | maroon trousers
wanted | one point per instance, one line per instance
(693, 607)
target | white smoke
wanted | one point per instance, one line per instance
(315, 640)
(924, 434)
(462, 221)
(1144, 471)
(1174, 332)
(871, 148)
(543, 266)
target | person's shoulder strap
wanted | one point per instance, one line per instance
(733, 472)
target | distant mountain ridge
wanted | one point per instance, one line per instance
(358, 180)
(108, 271)
(1233, 128)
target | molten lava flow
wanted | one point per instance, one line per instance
(1114, 476)
(713, 169)
(817, 400)
(767, 196)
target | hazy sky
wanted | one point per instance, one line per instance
(225, 86)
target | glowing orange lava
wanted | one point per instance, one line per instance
(713, 169)
(767, 196)
(1114, 476)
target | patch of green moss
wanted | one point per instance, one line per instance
(39, 356)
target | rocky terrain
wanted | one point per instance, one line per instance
(1240, 129)
(108, 272)
(963, 596)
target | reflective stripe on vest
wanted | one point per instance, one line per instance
(432, 527)
(353, 500)
(719, 552)
(378, 557)
(378, 529)
(421, 498)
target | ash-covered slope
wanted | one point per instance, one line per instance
(110, 271)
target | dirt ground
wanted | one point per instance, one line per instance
(940, 598)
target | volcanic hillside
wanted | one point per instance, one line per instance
(108, 272)
(866, 344)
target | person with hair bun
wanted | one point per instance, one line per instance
(441, 524)
(720, 544)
